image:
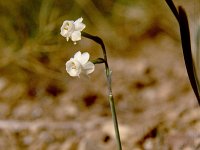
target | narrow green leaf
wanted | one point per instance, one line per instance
(187, 52)
(186, 46)
(98, 61)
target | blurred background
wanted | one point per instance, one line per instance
(43, 108)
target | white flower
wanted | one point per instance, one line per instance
(79, 64)
(72, 29)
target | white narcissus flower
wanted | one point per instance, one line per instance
(72, 29)
(79, 65)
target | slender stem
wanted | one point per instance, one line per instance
(173, 8)
(99, 41)
(114, 117)
(108, 76)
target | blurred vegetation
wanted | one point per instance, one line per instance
(33, 54)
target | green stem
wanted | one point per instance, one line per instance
(110, 96)
(113, 111)
(181, 17)
(114, 117)
(100, 42)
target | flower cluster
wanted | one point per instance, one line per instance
(80, 63)
(72, 29)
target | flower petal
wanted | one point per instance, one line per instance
(77, 56)
(67, 28)
(79, 26)
(84, 58)
(73, 67)
(88, 67)
(76, 36)
(79, 20)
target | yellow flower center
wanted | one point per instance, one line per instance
(67, 26)
(74, 65)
